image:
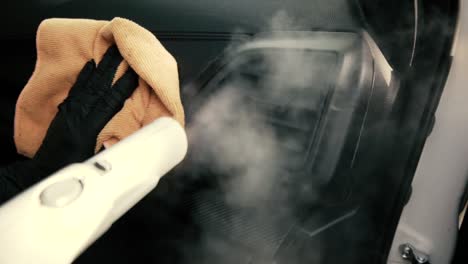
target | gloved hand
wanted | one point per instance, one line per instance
(71, 137)
(91, 103)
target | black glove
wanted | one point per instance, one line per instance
(71, 137)
(91, 103)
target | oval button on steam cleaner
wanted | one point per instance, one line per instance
(62, 193)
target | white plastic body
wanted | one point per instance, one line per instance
(31, 232)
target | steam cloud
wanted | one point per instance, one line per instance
(235, 139)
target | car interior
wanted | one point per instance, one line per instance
(305, 119)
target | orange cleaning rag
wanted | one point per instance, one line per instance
(63, 48)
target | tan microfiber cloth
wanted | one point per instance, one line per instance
(63, 48)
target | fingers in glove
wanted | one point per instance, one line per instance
(113, 100)
(102, 77)
(83, 78)
(108, 67)
(124, 87)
